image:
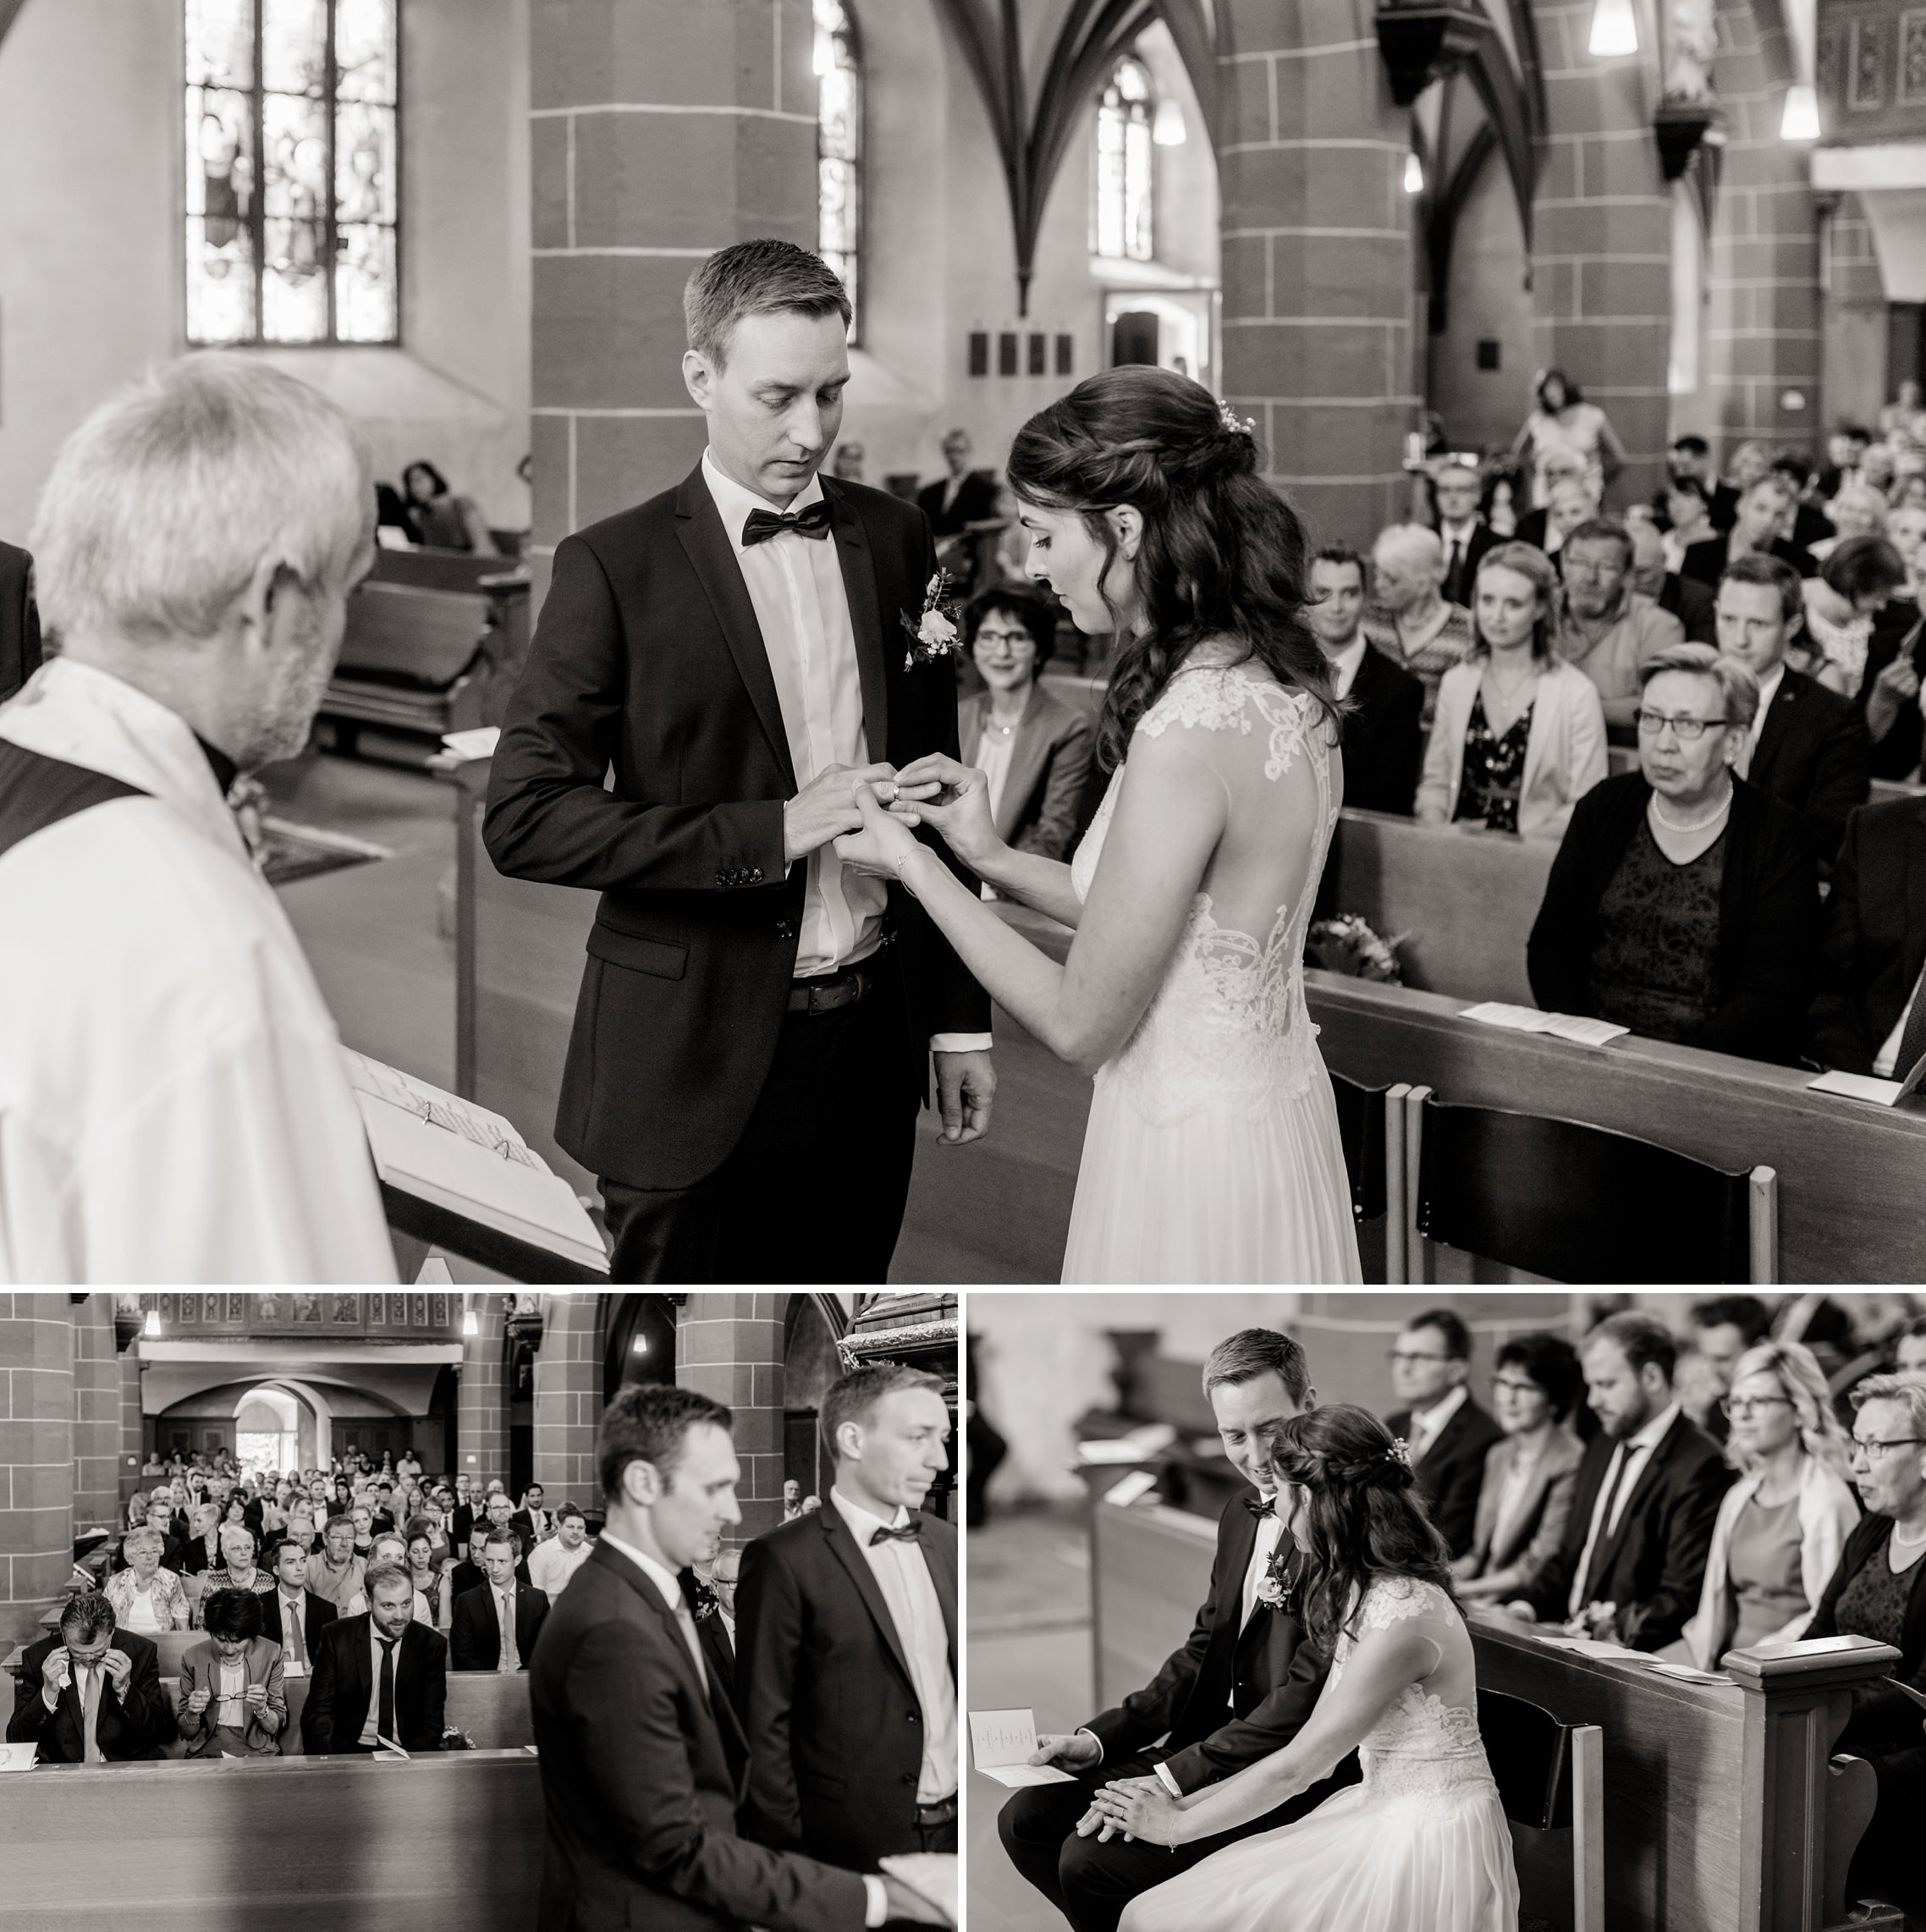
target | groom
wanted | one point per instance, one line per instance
(1240, 1688)
(712, 674)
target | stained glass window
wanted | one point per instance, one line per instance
(291, 198)
(1121, 222)
(839, 146)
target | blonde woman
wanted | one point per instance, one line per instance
(145, 1596)
(1782, 1525)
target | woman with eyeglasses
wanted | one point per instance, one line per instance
(1530, 1476)
(1684, 902)
(1879, 1591)
(1781, 1527)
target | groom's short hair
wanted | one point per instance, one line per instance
(756, 279)
(650, 1423)
(1251, 1352)
(852, 1398)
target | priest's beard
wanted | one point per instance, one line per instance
(298, 684)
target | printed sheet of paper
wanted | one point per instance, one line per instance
(1001, 1741)
(1580, 1031)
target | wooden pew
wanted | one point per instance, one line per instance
(444, 1843)
(1723, 1813)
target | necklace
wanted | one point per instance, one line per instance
(1907, 1541)
(1001, 730)
(1712, 817)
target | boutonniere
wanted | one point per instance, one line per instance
(706, 1603)
(1273, 1591)
(933, 634)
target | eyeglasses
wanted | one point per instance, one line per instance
(1690, 729)
(1517, 1385)
(1874, 1450)
(1406, 1356)
(1739, 1408)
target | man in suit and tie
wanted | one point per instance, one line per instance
(1630, 1569)
(1807, 745)
(1448, 1432)
(1383, 745)
(531, 1520)
(89, 1693)
(637, 1781)
(495, 1627)
(291, 1614)
(1869, 1012)
(1461, 529)
(20, 621)
(380, 1675)
(964, 496)
(846, 1650)
(709, 1591)
(755, 1024)
(1683, 597)
(1240, 1688)
(473, 1574)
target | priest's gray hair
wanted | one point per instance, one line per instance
(163, 503)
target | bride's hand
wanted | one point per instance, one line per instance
(959, 810)
(1140, 1808)
(883, 843)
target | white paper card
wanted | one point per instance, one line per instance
(1856, 1087)
(1000, 1743)
(1580, 1031)
(18, 1757)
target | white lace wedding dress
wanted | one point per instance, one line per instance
(1421, 1845)
(1213, 1151)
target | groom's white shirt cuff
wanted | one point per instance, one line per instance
(961, 1042)
(876, 1905)
(1169, 1783)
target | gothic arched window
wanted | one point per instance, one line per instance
(838, 148)
(292, 194)
(1121, 224)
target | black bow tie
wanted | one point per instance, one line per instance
(908, 1534)
(1259, 1507)
(763, 523)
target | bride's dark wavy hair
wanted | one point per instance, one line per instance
(1223, 554)
(1364, 1517)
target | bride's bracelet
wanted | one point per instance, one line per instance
(902, 869)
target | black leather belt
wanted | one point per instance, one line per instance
(831, 992)
(940, 1813)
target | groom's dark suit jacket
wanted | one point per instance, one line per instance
(823, 1684)
(637, 1783)
(1230, 1695)
(648, 662)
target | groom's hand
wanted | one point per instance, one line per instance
(1072, 1751)
(966, 1085)
(826, 807)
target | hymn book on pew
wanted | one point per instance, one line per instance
(1561, 1025)
(461, 1157)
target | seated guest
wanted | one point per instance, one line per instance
(1858, 511)
(1382, 743)
(1561, 467)
(1530, 1473)
(418, 1549)
(445, 520)
(1446, 1432)
(158, 1515)
(146, 1596)
(362, 1516)
(461, 1518)
(473, 1574)
(1781, 1527)
(1806, 745)
(1806, 525)
(292, 1616)
(1034, 749)
(1690, 602)
(1691, 459)
(709, 1590)
(378, 1675)
(963, 498)
(1879, 1591)
(1754, 532)
(494, 1628)
(231, 1703)
(391, 1548)
(1869, 1013)
(301, 1529)
(1687, 507)
(1843, 603)
(550, 1564)
(1683, 902)
(1461, 529)
(1504, 496)
(338, 1574)
(89, 1692)
(1571, 504)
(197, 539)
(426, 1522)
(1890, 692)
(531, 1519)
(1633, 1558)
(1408, 618)
(1722, 1328)
(203, 1551)
(1519, 736)
(1605, 627)
(1909, 1348)
(20, 621)
(239, 1569)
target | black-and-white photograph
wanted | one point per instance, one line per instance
(1471, 1612)
(740, 642)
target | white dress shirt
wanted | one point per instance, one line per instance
(371, 1731)
(1345, 665)
(1768, 690)
(510, 1657)
(802, 608)
(1888, 1056)
(294, 1633)
(902, 1574)
(1633, 1453)
(550, 1564)
(1426, 1425)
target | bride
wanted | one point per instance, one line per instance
(1422, 1845)
(1212, 1153)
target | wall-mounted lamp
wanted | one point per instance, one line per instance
(639, 1346)
(1615, 30)
(470, 1322)
(1414, 174)
(1169, 129)
(1800, 120)
(151, 1327)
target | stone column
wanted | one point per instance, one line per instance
(1602, 240)
(730, 1347)
(482, 1421)
(1318, 291)
(567, 1398)
(36, 1458)
(133, 1424)
(96, 1416)
(660, 131)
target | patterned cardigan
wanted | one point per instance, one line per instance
(168, 1599)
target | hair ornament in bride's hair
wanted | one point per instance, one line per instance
(1399, 1452)
(1235, 425)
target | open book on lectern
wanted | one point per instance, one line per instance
(443, 1149)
